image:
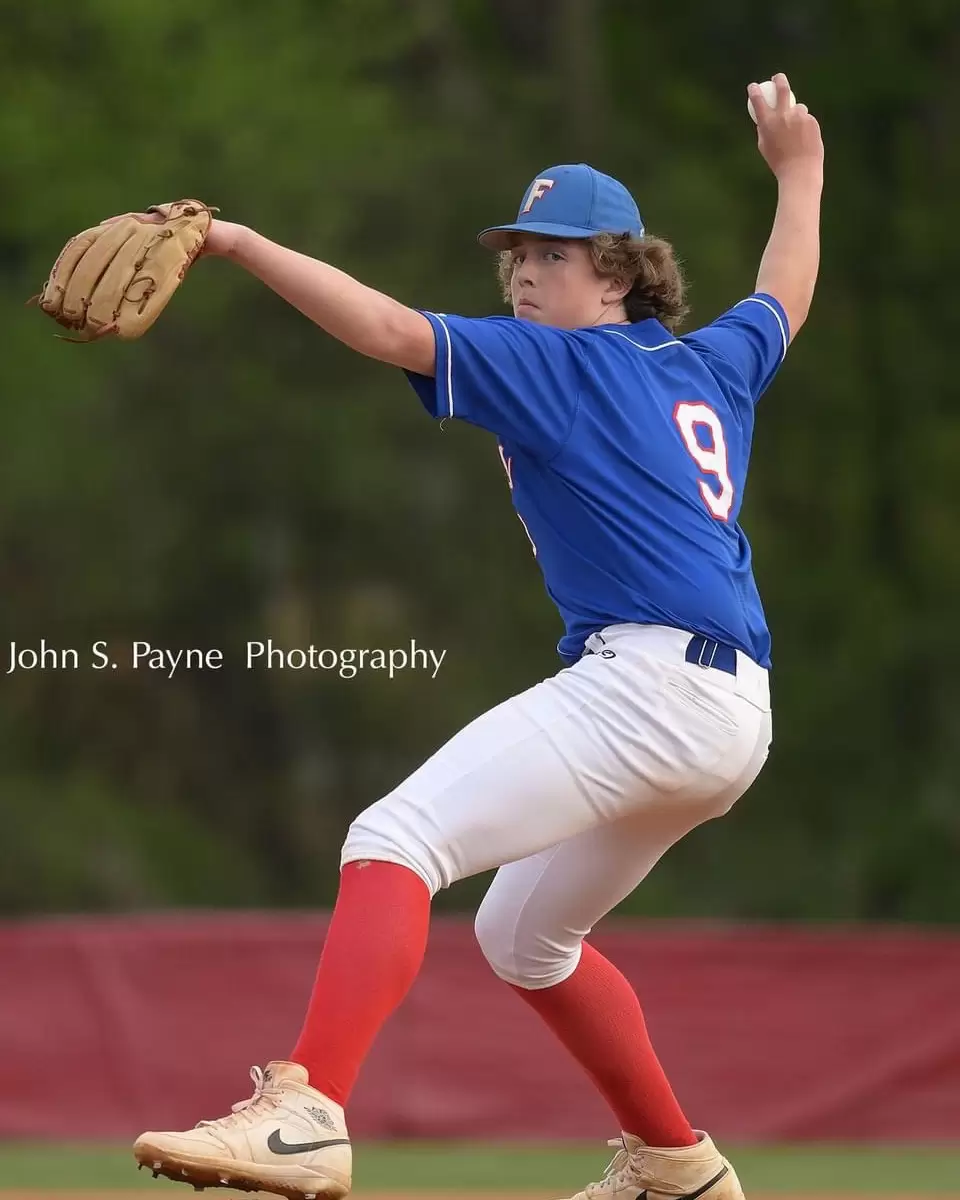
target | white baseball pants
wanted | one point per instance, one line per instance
(579, 785)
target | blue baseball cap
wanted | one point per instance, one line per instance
(570, 201)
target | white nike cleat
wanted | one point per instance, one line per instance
(641, 1172)
(288, 1138)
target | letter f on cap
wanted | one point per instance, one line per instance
(539, 189)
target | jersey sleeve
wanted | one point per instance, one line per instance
(749, 341)
(516, 379)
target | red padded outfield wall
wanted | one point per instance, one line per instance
(111, 1026)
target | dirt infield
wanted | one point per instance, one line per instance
(399, 1194)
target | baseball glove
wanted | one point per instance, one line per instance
(117, 278)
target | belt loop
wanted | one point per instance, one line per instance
(707, 652)
(590, 645)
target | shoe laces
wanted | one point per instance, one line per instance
(265, 1095)
(619, 1172)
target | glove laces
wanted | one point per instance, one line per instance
(265, 1095)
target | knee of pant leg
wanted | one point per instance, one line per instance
(523, 958)
(495, 939)
(392, 830)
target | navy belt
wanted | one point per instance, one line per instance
(705, 652)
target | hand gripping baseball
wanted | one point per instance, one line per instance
(787, 134)
(116, 278)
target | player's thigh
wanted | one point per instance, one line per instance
(507, 785)
(590, 745)
(537, 911)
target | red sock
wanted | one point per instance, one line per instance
(371, 956)
(597, 1016)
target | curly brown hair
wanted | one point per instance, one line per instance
(651, 264)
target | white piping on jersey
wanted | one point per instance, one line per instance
(446, 333)
(766, 304)
(649, 349)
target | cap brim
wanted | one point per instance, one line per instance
(497, 237)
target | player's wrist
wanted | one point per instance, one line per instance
(224, 239)
(801, 173)
(240, 247)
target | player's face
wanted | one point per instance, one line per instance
(555, 283)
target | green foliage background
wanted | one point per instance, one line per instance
(239, 475)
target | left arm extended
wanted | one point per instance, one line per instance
(359, 316)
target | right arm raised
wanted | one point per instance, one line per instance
(790, 142)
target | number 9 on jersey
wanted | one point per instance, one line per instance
(710, 459)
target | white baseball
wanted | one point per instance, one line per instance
(769, 90)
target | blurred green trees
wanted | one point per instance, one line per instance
(238, 475)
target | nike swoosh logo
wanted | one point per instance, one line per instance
(276, 1143)
(700, 1190)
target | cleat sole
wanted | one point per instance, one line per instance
(202, 1176)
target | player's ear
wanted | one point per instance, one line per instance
(617, 288)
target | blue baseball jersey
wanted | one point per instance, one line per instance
(626, 451)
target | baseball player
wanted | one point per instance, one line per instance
(625, 449)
